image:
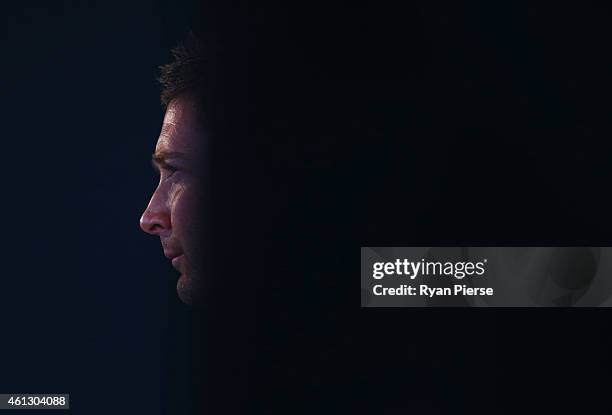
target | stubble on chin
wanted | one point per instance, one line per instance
(189, 288)
(185, 289)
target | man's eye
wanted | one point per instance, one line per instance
(168, 171)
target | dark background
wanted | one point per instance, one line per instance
(345, 126)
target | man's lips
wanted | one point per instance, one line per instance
(175, 258)
(176, 262)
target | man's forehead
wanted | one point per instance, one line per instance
(181, 129)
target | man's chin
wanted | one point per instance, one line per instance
(188, 291)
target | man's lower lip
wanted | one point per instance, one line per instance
(176, 261)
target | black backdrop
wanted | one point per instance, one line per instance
(345, 126)
(428, 124)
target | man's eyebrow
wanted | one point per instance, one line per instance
(160, 158)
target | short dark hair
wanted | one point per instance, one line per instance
(185, 72)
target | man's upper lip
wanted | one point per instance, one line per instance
(172, 254)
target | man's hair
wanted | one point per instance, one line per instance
(186, 72)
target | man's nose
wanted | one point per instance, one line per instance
(156, 217)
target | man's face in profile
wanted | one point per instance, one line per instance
(173, 212)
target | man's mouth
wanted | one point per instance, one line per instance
(176, 262)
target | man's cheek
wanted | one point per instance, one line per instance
(175, 194)
(184, 209)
